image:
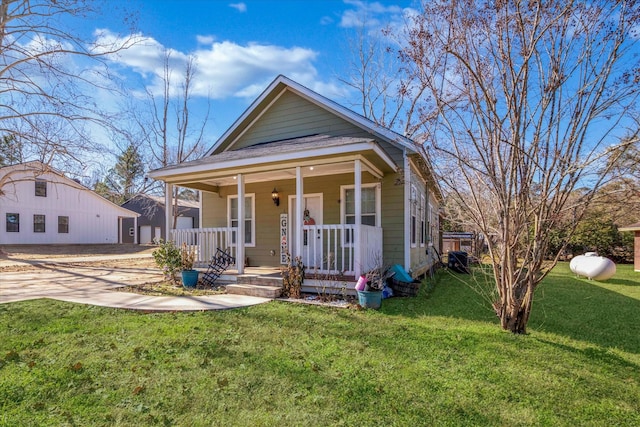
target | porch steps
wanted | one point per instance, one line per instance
(256, 286)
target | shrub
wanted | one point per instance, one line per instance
(169, 259)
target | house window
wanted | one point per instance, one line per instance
(249, 215)
(370, 204)
(38, 224)
(423, 215)
(370, 211)
(41, 188)
(13, 223)
(63, 224)
(413, 202)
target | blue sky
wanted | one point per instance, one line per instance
(241, 46)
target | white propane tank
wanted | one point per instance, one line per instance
(592, 266)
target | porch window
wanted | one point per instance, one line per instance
(249, 215)
(370, 204)
(370, 195)
(38, 223)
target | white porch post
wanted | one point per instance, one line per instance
(357, 249)
(120, 230)
(299, 207)
(241, 228)
(168, 210)
(135, 230)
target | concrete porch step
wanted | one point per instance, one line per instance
(263, 291)
(254, 279)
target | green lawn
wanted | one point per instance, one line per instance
(438, 359)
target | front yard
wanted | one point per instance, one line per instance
(438, 359)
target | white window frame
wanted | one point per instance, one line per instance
(413, 217)
(423, 222)
(251, 196)
(343, 208)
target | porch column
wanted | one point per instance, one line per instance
(357, 250)
(241, 229)
(168, 210)
(135, 230)
(299, 209)
(120, 230)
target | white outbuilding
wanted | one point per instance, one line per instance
(39, 205)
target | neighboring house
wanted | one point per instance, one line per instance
(636, 243)
(41, 206)
(469, 242)
(315, 178)
(151, 224)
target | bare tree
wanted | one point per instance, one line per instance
(521, 103)
(171, 136)
(45, 97)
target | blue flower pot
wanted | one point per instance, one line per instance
(370, 299)
(189, 278)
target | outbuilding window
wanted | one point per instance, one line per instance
(13, 223)
(38, 223)
(63, 224)
(41, 188)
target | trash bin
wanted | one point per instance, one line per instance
(458, 261)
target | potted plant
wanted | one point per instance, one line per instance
(168, 258)
(187, 258)
(371, 294)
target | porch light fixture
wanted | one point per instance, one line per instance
(275, 197)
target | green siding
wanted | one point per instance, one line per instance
(292, 116)
(268, 215)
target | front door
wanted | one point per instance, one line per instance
(312, 239)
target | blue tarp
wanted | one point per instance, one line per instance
(400, 274)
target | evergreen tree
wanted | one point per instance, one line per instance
(10, 151)
(125, 179)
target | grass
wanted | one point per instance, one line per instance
(437, 359)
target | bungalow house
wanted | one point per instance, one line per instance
(151, 224)
(316, 181)
(42, 206)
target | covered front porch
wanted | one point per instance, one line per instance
(318, 198)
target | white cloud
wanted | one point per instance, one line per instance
(240, 7)
(205, 39)
(223, 69)
(370, 15)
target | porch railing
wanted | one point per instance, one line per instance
(206, 241)
(327, 249)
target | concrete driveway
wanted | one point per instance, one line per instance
(88, 281)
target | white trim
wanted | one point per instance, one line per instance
(252, 244)
(423, 221)
(407, 213)
(343, 200)
(274, 161)
(413, 216)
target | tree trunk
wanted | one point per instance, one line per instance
(515, 316)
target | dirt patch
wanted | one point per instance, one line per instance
(27, 252)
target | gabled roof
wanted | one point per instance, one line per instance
(282, 83)
(38, 168)
(159, 200)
